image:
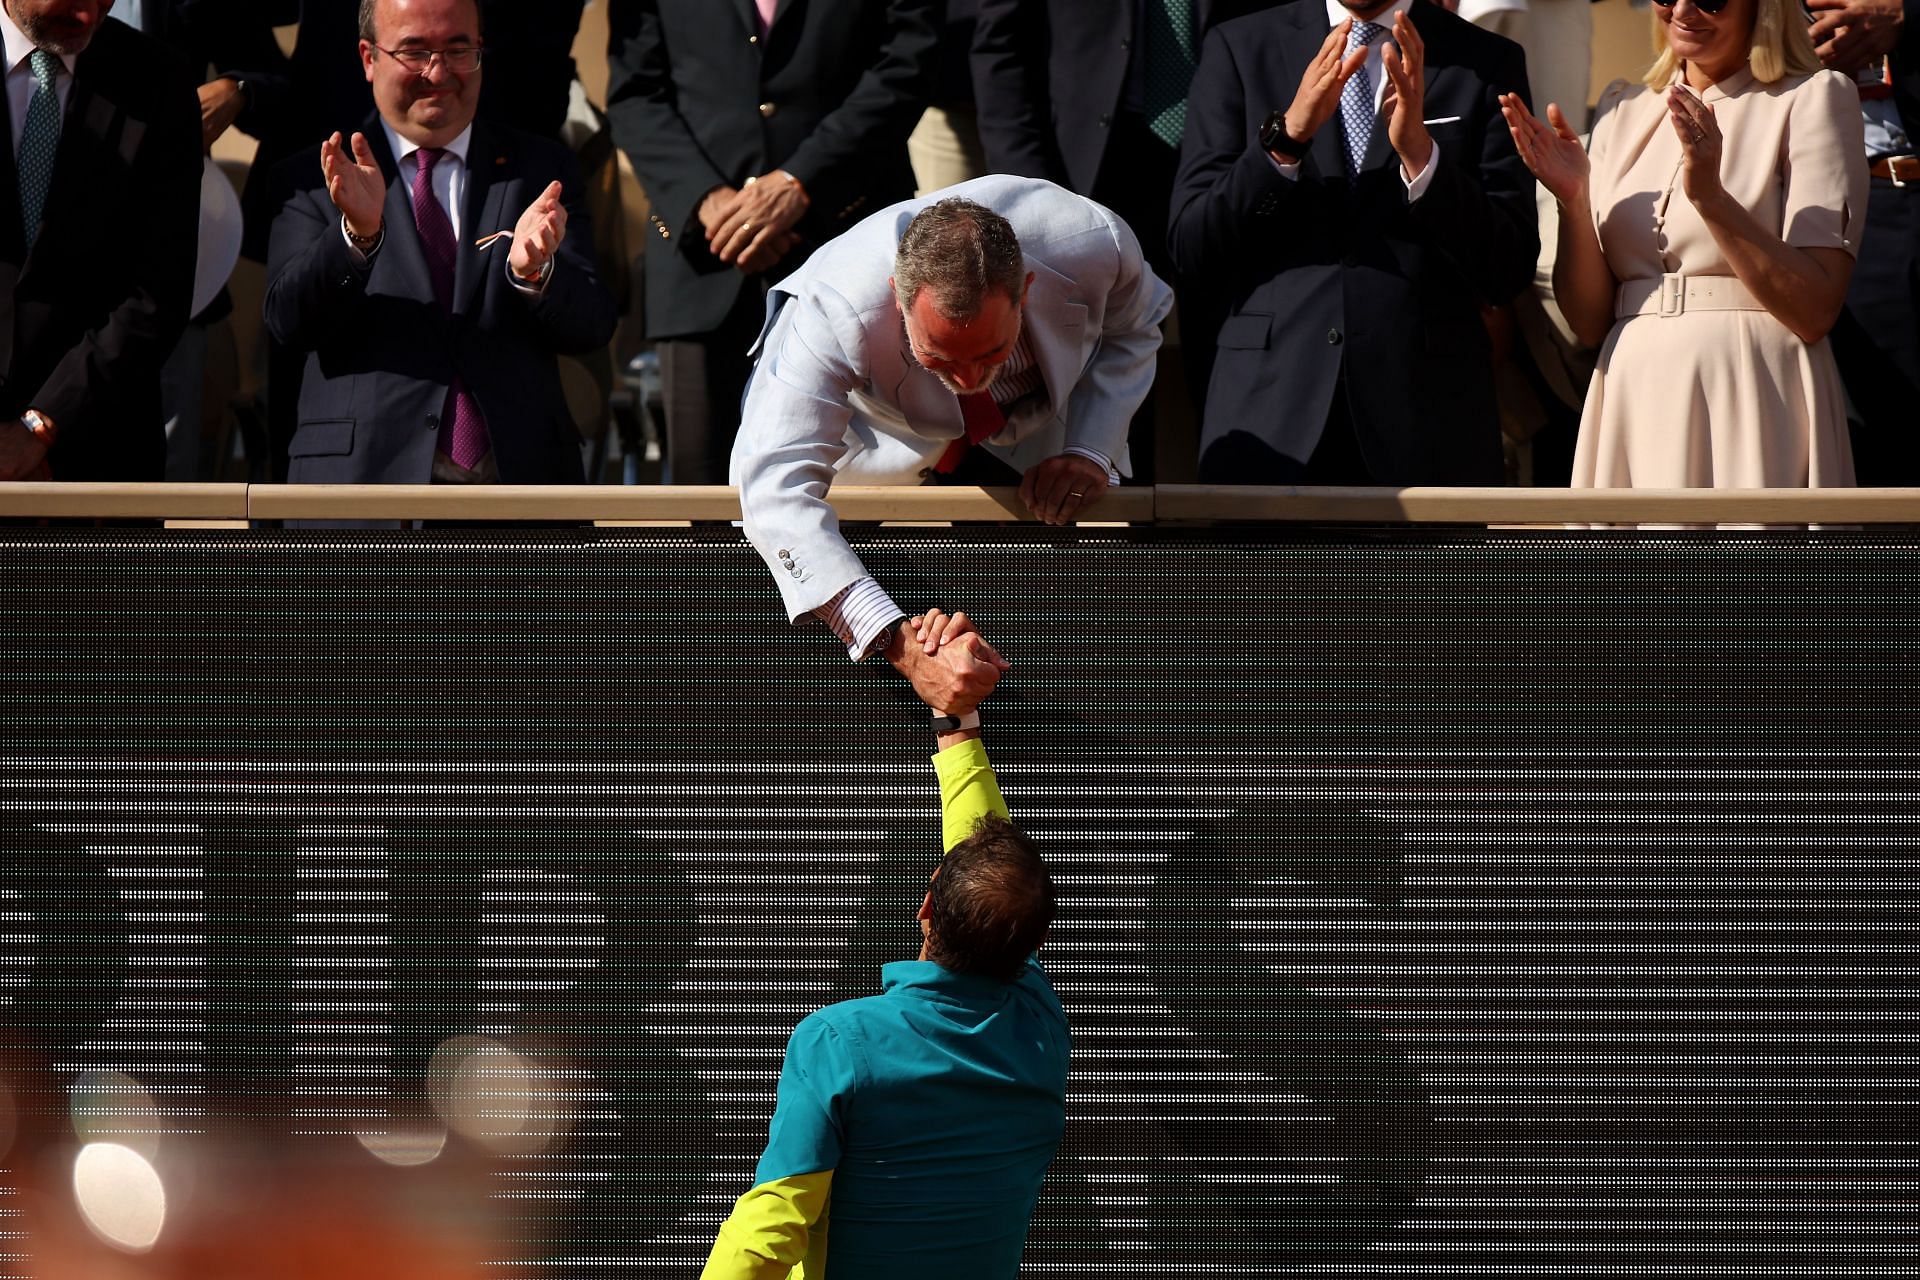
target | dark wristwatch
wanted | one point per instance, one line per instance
(1275, 138)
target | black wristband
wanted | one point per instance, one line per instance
(1275, 139)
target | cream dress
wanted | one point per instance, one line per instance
(1720, 399)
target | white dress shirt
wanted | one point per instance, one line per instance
(20, 81)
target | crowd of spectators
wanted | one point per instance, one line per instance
(1390, 260)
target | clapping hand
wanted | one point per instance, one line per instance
(1318, 96)
(1405, 98)
(1553, 153)
(355, 184)
(1699, 134)
(1851, 34)
(537, 236)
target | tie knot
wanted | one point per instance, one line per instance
(44, 66)
(427, 157)
(1361, 34)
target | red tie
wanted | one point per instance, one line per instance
(983, 421)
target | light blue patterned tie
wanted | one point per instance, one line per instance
(1356, 100)
(39, 140)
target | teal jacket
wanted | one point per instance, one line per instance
(913, 1128)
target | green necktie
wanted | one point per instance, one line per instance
(1170, 64)
(39, 140)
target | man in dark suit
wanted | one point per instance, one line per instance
(1877, 340)
(102, 121)
(432, 334)
(1091, 94)
(760, 129)
(1349, 168)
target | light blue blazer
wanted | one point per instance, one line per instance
(837, 395)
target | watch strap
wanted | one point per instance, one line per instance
(954, 724)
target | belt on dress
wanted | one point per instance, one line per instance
(1900, 170)
(1677, 293)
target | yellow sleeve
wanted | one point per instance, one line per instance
(771, 1231)
(968, 790)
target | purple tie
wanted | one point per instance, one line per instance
(766, 14)
(463, 432)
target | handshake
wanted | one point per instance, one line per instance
(949, 663)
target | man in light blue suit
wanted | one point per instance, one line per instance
(1000, 331)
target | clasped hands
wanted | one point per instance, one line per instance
(359, 191)
(1403, 103)
(947, 661)
(752, 227)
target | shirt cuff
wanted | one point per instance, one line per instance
(1093, 456)
(861, 616)
(1418, 187)
(534, 288)
(1291, 172)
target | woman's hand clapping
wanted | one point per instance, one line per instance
(1553, 152)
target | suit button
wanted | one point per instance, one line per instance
(753, 39)
(767, 109)
(1106, 121)
(1333, 337)
(1126, 42)
(433, 422)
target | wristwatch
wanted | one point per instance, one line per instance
(1275, 138)
(41, 426)
(954, 724)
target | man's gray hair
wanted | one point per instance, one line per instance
(961, 251)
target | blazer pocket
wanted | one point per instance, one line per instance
(1247, 331)
(322, 437)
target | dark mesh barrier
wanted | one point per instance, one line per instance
(1433, 903)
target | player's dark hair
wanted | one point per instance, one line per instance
(991, 903)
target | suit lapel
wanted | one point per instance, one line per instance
(13, 237)
(481, 214)
(749, 15)
(1056, 326)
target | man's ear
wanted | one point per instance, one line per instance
(1026, 288)
(366, 65)
(926, 908)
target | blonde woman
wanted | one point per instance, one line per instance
(1706, 239)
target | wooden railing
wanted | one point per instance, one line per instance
(232, 504)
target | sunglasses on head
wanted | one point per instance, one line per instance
(1704, 6)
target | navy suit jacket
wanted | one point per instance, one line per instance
(1325, 276)
(699, 99)
(382, 350)
(1049, 76)
(88, 318)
